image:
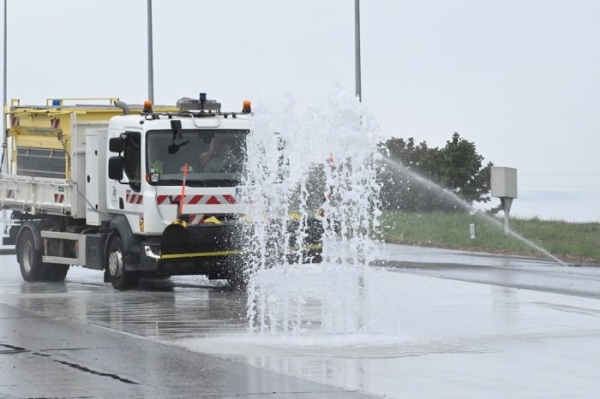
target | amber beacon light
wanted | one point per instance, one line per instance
(147, 106)
(247, 107)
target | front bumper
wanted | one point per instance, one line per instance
(222, 250)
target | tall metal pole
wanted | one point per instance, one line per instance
(150, 55)
(4, 91)
(5, 58)
(4, 160)
(357, 47)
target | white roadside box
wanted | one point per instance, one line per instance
(504, 186)
(504, 182)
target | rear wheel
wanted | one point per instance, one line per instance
(120, 278)
(30, 260)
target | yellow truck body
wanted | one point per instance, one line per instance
(41, 137)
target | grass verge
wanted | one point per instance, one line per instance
(572, 242)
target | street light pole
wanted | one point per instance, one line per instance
(357, 48)
(4, 161)
(150, 55)
(5, 60)
(4, 95)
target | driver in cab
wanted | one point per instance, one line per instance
(220, 159)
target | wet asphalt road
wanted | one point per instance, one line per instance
(82, 339)
(187, 337)
(537, 274)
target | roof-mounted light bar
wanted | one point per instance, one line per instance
(204, 107)
(187, 104)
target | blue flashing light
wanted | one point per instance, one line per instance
(202, 96)
(56, 103)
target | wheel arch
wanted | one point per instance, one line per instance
(120, 225)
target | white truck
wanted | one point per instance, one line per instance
(132, 191)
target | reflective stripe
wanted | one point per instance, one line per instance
(196, 219)
(227, 253)
(203, 254)
(209, 199)
(132, 198)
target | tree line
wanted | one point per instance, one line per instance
(417, 178)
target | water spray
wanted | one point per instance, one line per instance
(468, 207)
(322, 162)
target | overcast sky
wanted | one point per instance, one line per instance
(520, 79)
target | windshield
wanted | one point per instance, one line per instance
(214, 157)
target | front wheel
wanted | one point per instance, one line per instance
(55, 272)
(120, 278)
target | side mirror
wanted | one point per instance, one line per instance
(115, 167)
(116, 144)
(178, 139)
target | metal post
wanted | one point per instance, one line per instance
(357, 47)
(506, 204)
(5, 59)
(4, 86)
(4, 161)
(150, 55)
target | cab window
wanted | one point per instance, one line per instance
(132, 155)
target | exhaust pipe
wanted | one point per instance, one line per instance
(123, 106)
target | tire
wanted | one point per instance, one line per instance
(120, 278)
(55, 272)
(30, 259)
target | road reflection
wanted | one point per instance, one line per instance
(163, 310)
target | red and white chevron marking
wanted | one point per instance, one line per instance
(60, 198)
(196, 219)
(197, 199)
(132, 198)
(10, 193)
(55, 123)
